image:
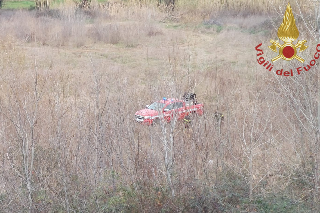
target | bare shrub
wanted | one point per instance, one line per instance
(69, 142)
(70, 27)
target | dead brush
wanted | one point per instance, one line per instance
(68, 137)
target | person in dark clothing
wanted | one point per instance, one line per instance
(191, 98)
(187, 121)
(219, 116)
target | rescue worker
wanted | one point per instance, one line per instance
(218, 116)
(187, 121)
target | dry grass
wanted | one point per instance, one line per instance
(71, 82)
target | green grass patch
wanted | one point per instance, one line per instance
(18, 5)
(280, 204)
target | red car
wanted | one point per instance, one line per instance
(167, 109)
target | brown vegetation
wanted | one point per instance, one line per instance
(71, 81)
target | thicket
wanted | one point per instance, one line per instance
(69, 142)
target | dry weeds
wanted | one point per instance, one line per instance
(71, 82)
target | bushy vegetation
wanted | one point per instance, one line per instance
(72, 79)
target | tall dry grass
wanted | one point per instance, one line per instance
(71, 82)
(70, 26)
(195, 11)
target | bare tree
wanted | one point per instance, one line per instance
(23, 113)
(169, 4)
(168, 147)
(84, 4)
(42, 4)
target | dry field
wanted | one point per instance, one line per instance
(71, 81)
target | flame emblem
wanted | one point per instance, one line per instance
(288, 32)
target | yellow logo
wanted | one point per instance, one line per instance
(288, 32)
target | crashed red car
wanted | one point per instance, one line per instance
(168, 109)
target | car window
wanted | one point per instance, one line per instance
(178, 105)
(169, 107)
(156, 106)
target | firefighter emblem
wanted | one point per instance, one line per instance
(288, 32)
